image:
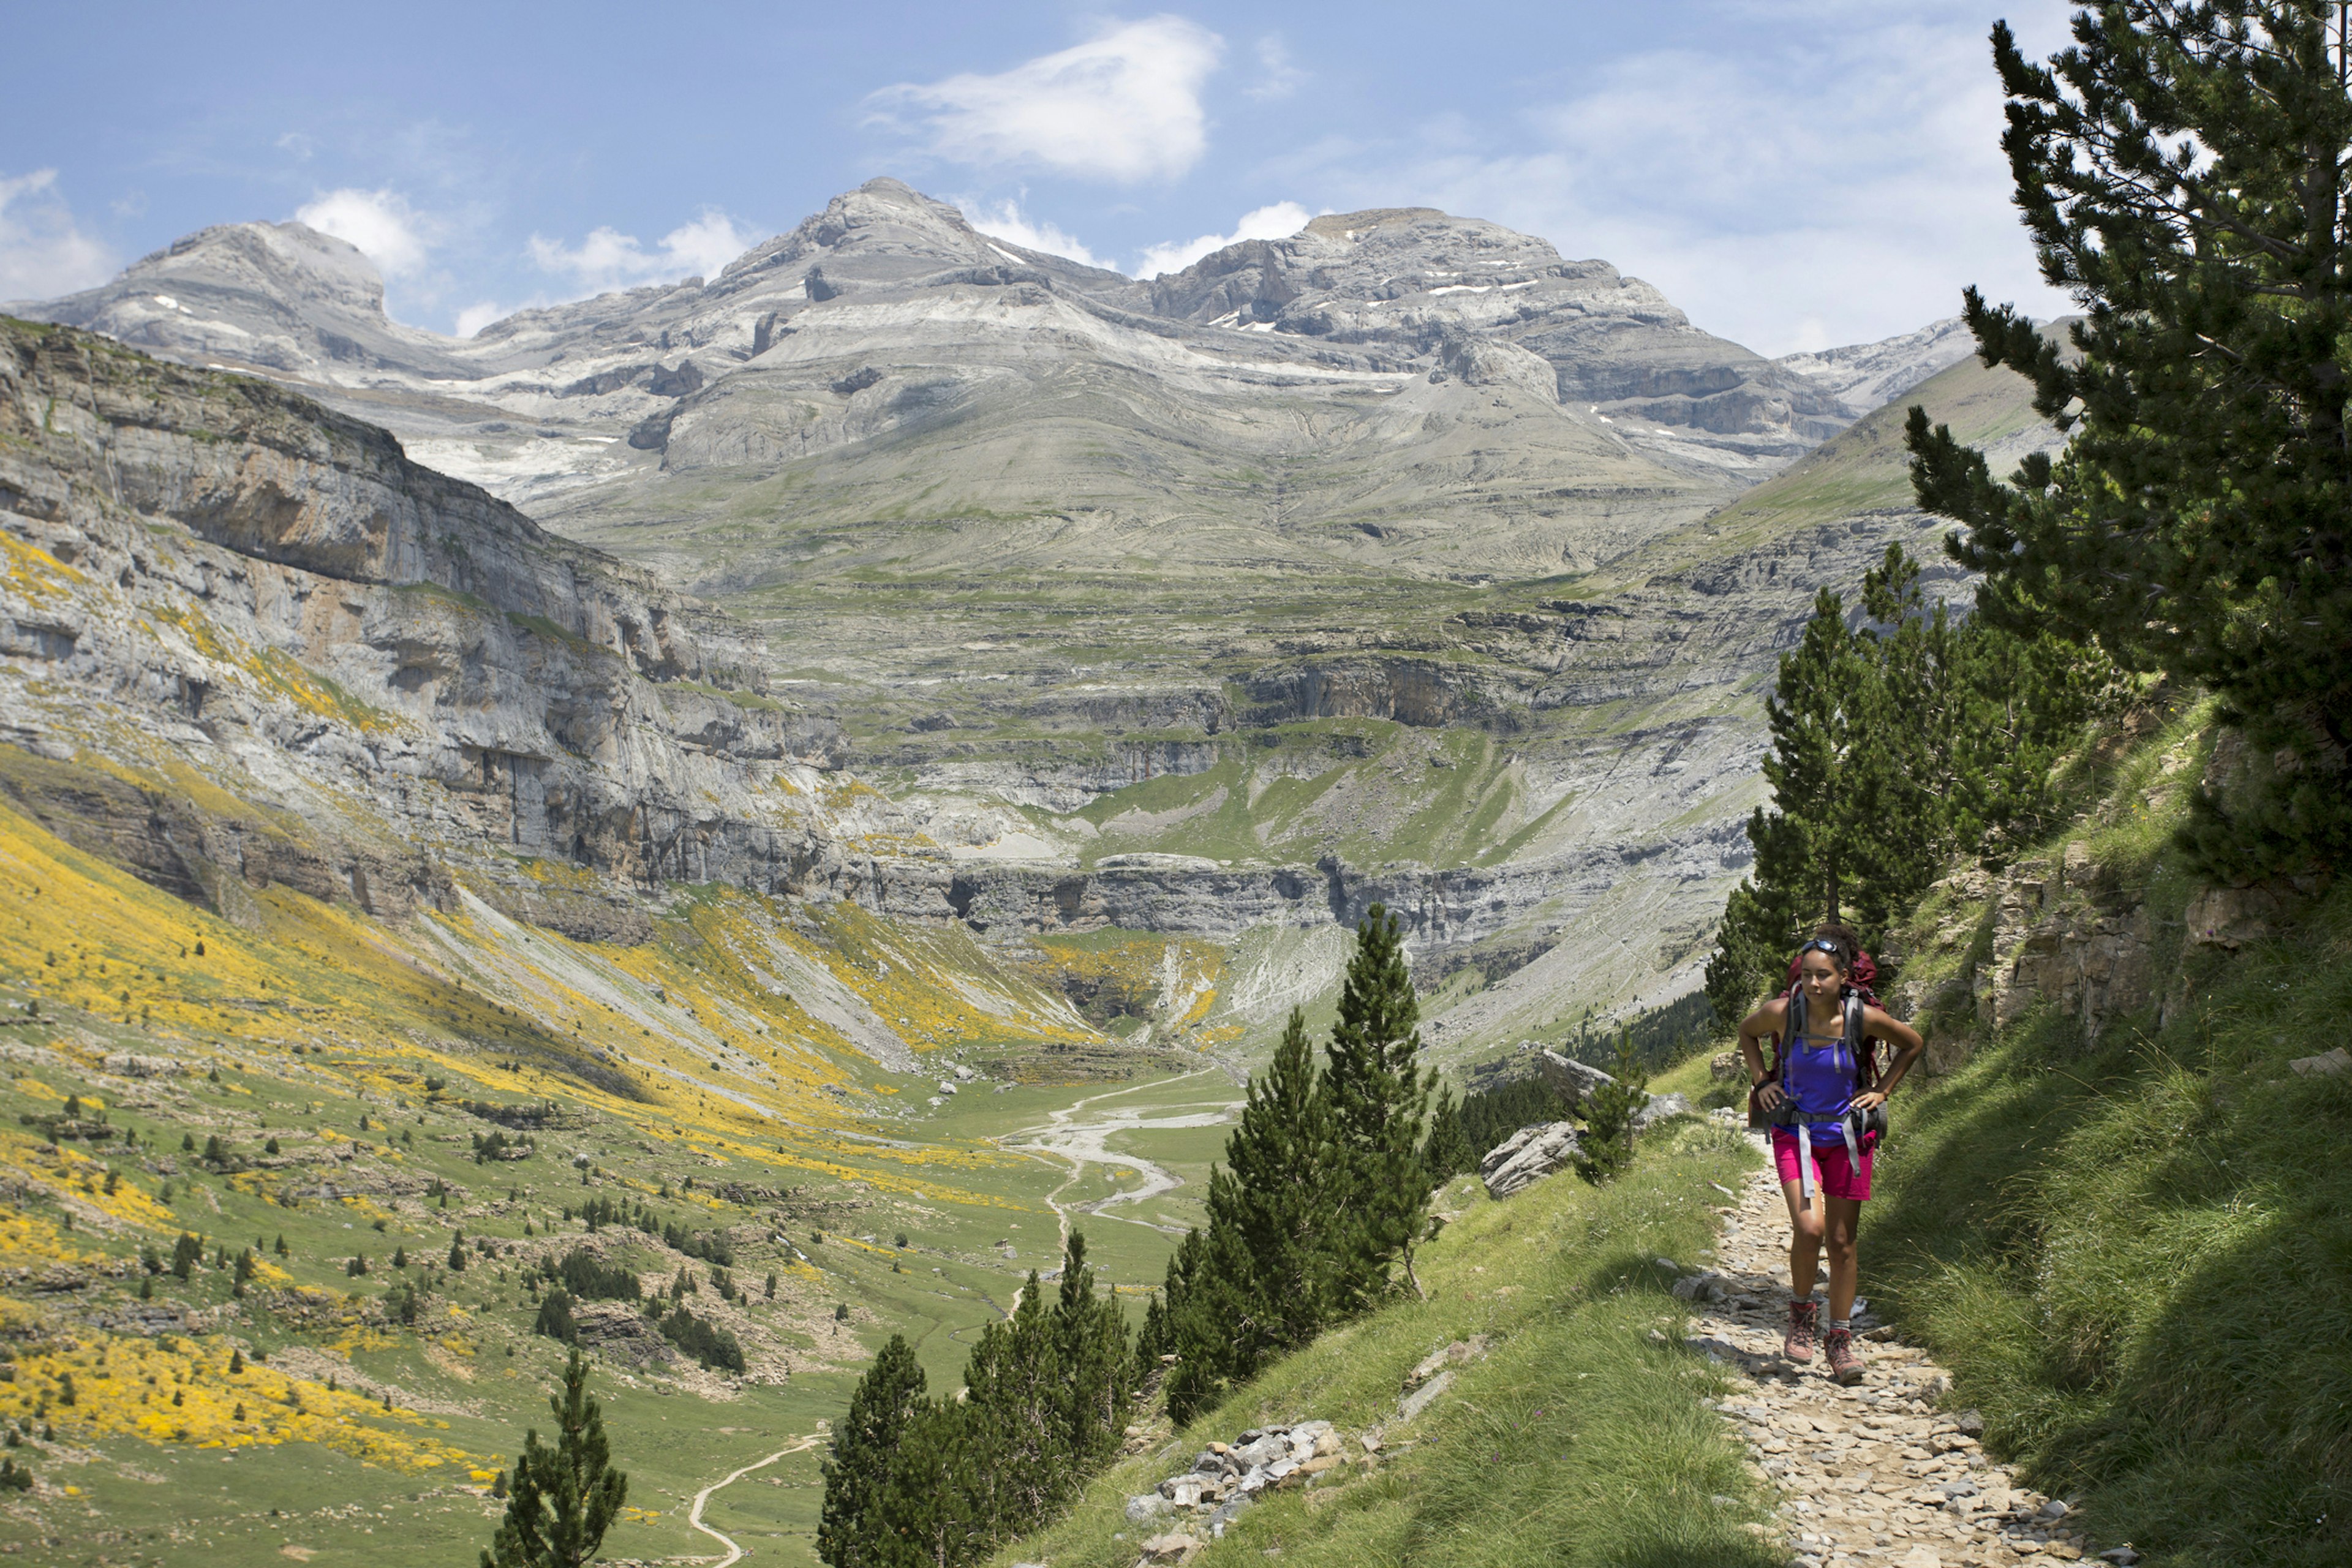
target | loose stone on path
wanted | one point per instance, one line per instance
(1872, 1474)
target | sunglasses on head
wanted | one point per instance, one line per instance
(1820, 945)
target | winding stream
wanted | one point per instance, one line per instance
(1076, 1142)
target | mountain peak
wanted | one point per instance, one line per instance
(279, 297)
(275, 260)
(1348, 225)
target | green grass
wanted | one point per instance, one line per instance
(2133, 1258)
(1580, 1440)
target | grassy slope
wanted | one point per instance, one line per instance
(491, 1010)
(2134, 1254)
(1582, 1440)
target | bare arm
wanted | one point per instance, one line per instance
(1908, 1044)
(1772, 1018)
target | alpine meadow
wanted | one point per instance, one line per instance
(916, 893)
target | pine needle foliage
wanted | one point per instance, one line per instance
(866, 1442)
(2183, 173)
(1448, 1151)
(1606, 1149)
(564, 1497)
(916, 1480)
(1379, 1104)
(1321, 1192)
(1900, 737)
(1260, 1279)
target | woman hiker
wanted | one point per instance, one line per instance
(1818, 1096)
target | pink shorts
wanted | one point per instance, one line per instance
(1833, 1171)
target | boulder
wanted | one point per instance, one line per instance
(1574, 1079)
(620, 1332)
(2326, 1064)
(1704, 1285)
(1265, 1450)
(1658, 1108)
(1455, 1355)
(1422, 1398)
(1528, 1157)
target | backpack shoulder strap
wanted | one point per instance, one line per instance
(1865, 1054)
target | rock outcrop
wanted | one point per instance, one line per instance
(1528, 1156)
(1226, 1478)
(381, 669)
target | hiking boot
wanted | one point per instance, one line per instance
(1844, 1365)
(1803, 1317)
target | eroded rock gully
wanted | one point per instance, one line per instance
(1876, 1474)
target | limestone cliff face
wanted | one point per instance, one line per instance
(212, 574)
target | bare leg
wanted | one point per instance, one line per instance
(1844, 1220)
(1805, 1232)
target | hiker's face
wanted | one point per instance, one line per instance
(1820, 977)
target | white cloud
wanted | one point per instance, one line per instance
(1278, 78)
(1279, 221)
(43, 250)
(1123, 106)
(390, 232)
(608, 258)
(1004, 221)
(1841, 186)
(475, 317)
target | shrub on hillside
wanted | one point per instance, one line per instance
(554, 1320)
(585, 1275)
(706, 1343)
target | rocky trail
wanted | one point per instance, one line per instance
(1875, 1474)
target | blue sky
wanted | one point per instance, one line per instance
(1793, 176)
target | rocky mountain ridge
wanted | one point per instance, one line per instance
(1394, 292)
(1237, 600)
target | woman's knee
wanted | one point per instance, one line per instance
(1808, 1225)
(1841, 1238)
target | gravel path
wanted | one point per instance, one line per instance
(702, 1500)
(1876, 1474)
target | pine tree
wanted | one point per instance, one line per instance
(865, 1444)
(1013, 1414)
(929, 1512)
(1090, 1341)
(1280, 1200)
(1151, 1341)
(565, 1497)
(1380, 1101)
(1162, 1333)
(2182, 173)
(1218, 1324)
(1746, 966)
(1607, 1147)
(1447, 1153)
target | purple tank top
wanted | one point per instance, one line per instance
(1819, 1078)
